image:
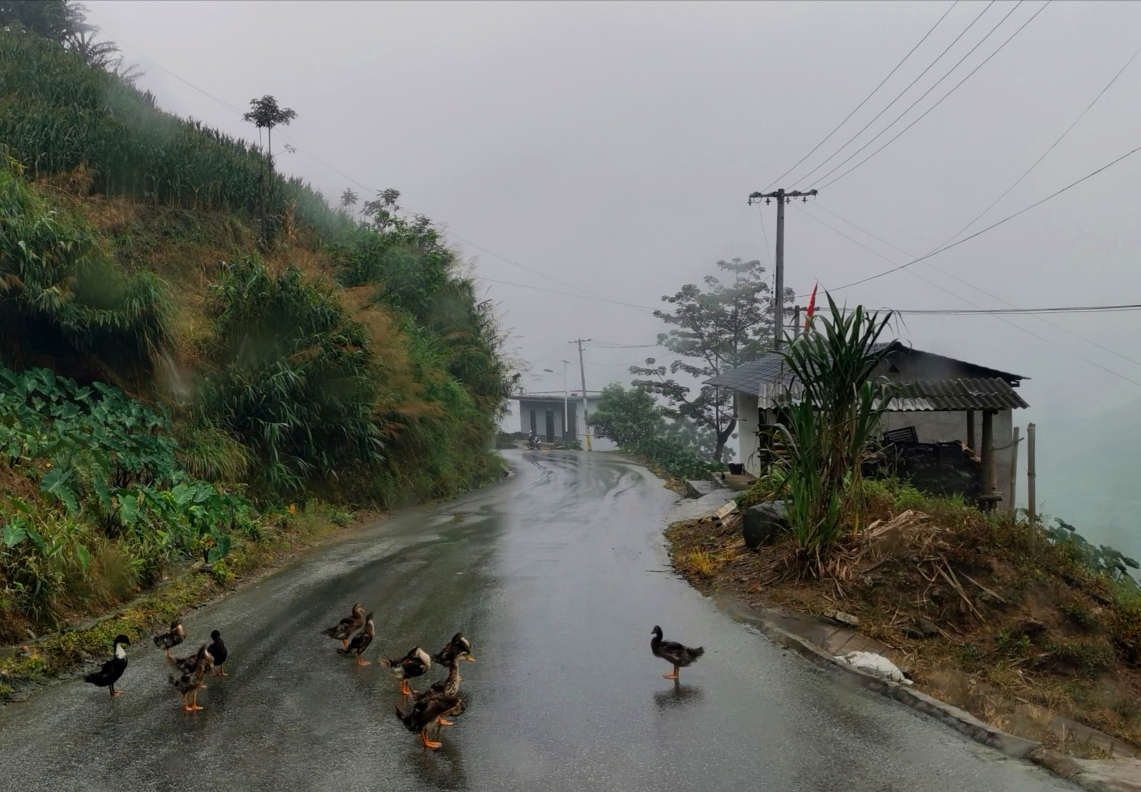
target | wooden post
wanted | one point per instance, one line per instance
(971, 431)
(988, 452)
(1013, 470)
(1031, 493)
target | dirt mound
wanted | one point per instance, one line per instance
(983, 612)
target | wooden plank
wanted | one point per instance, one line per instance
(1013, 470)
(1031, 483)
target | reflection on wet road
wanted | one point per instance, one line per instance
(557, 576)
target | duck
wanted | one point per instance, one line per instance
(219, 652)
(185, 665)
(681, 656)
(360, 642)
(347, 626)
(459, 645)
(449, 686)
(171, 638)
(192, 681)
(428, 710)
(112, 669)
(415, 663)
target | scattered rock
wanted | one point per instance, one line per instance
(696, 488)
(844, 619)
(1029, 627)
(763, 523)
(920, 629)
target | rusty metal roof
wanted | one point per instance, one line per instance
(956, 394)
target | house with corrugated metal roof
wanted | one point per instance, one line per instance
(937, 399)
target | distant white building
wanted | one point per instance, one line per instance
(940, 399)
(544, 413)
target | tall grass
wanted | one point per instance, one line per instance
(293, 381)
(830, 421)
(63, 300)
(58, 113)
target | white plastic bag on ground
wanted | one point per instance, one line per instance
(874, 664)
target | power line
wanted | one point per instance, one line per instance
(1047, 151)
(567, 294)
(1000, 317)
(924, 95)
(363, 186)
(765, 234)
(993, 225)
(608, 345)
(865, 101)
(943, 98)
(967, 283)
(900, 94)
(1069, 309)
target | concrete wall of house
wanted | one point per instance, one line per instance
(574, 409)
(748, 420)
(536, 410)
(942, 427)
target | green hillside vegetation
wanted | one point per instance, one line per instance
(173, 371)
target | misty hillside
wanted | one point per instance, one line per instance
(189, 340)
(1088, 474)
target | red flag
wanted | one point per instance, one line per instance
(811, 306)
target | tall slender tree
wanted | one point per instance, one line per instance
(266, 113)
(715, 329)
(349, 199)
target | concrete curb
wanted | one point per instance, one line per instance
(960, 720)
(1094, 776)
(1090, 774)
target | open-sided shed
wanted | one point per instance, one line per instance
(938, 399)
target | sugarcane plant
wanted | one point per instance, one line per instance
(834, 407)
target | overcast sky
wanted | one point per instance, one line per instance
(612, 147)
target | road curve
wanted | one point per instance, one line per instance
(557, 576)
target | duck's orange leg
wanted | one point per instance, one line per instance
(194, 700)
(404, 691)
(344, 643)
(673, 675)
(428, 743)
(361, 662)
(185, 706)
(443, 722)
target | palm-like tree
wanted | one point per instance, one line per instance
(348, 199)
(266, 113)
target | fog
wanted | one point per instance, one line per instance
(607, 151)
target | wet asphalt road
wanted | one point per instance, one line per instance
(557, 576)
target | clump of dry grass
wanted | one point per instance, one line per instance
(1022, 628)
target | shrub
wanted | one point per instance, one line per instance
(63, 299)
(830, 420)
(108, 506)
(293, 380)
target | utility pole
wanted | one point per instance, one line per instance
(782, 198)
(566, 405)
(582, 372)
